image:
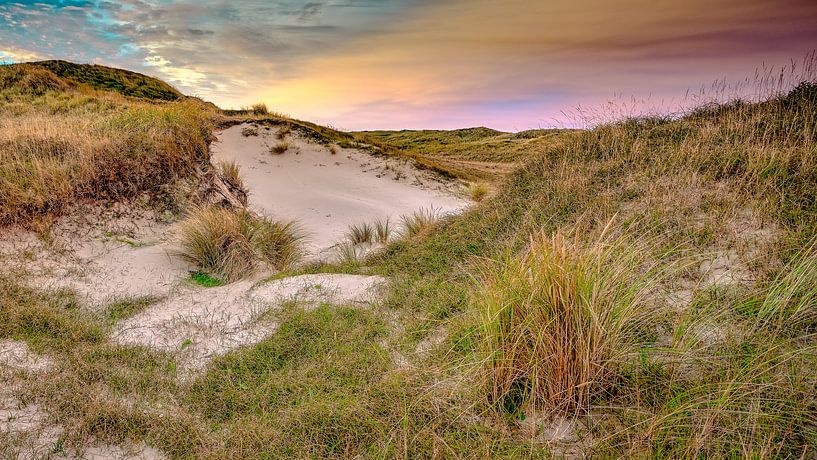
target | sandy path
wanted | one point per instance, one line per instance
(327, 193)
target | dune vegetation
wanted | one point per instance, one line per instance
(643, 288)
(63, 142)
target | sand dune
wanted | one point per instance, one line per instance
(328, 192)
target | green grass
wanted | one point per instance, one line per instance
(104, 78)
(206, 279)
(126, 308)
(476, 154)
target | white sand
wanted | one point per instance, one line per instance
(327, 193)
(198, 324)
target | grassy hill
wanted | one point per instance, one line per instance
(62, 141)
(121, 81)
(644, 289)
(475, 154)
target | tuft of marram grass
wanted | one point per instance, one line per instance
(230, 243)
(360, 233)
(231, 173)
(382, 231)
(478, 191)
(419, 221)
(284, 131)
(259, 109)
(279, 148)
(348, 253)
(556, 320)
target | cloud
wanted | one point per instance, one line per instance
(417, 63)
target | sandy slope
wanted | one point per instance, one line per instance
(327, 193)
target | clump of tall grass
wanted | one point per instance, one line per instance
(279, 148)
(231, 173)
(230, 243)
(348, 252)
(360, 233)
(419, 221)
(478, 191)
(382, 230)
(259, 109)
(557, 319)
(282, 133)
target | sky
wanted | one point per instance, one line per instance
(412, 64)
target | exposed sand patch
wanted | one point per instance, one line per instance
(199, 323)
(16, 355)
(327, 193)
(24, 428)
(101, 254)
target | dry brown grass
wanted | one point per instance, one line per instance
(558, 318)
(230, 243)
(61, 147)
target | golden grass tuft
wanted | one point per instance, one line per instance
(478, 191)
(279, 148)
(557, 319)
(419, 222)
(230, 243)
(231, 173)
(259, 109)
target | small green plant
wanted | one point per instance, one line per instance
(279, 148)
(205, 279)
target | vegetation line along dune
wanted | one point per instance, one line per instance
(644, 288)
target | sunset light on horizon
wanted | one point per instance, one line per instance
(411, 64)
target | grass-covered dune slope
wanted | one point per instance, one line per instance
(62, 141)
(121, 81)
(476, 154)
(642, 289)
